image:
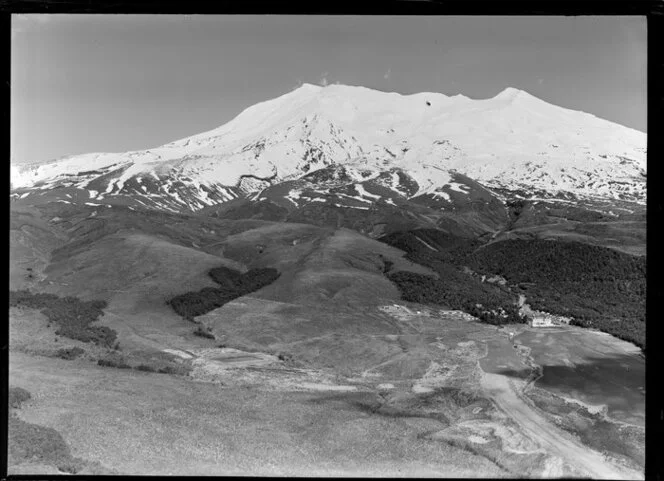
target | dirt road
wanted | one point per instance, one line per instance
(506, 392)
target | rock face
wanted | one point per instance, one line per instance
(366, 147)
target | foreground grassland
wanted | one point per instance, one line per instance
(452, 398)
(148, 424)
(323, 370)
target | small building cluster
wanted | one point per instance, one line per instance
(398, 311)
(543, 319)
(494, 280)
(540, 318)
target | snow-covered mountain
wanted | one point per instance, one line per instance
(413, 145)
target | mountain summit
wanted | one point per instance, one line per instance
(512, 142)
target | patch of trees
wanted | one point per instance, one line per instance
(232, 284)
(112, 362)
(118, 361)
(387, 264)
(69, 353)
(598, 287)
(461, 292)
(72, 315)
(168, 369)
(454, 288)
(204, 332)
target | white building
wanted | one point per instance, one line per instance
(540, 319)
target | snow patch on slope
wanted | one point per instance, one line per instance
(512, 140)
(363, 193)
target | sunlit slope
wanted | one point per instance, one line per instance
(331, 279)
(322, 309)
(134, 261)
(197, 428)
(513, 140)
(31, 240)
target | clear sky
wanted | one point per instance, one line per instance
(112, 83)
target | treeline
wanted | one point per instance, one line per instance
(232, 284)
(597, 286)
(535, 260)
(488, 303)
(72, 315)
(454, 288)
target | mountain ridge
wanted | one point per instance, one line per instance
(512, 141)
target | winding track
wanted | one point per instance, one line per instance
(507, 396)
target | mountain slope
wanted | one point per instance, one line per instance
(304, 184)
(512, 141)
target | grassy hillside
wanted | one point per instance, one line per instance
(133, 260)
(331, 281)
(615, 224)
(318, 299)
(323, 307)
(31, 239)
(146, 424)
(232, 284)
